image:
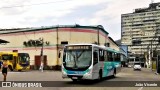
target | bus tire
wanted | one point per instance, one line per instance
(114, 73)
(100, 75)
(10, 67)
(19, 70)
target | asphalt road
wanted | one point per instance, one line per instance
(126, 75)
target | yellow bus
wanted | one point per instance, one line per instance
(16, 61)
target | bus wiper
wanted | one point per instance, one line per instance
(74, 57)
(75, 63)
(80, 53)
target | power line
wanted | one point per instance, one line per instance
(33, 4)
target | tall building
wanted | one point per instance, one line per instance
(140, 30)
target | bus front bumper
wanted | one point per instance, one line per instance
(77, 76)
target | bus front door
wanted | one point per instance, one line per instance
(14, 62)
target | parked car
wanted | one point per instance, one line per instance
(137, 66)
(129, 66)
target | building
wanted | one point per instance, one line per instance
(140, 30)
(53, 38)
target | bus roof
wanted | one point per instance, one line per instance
(94, 45)
(14, 53)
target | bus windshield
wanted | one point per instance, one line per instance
(7, 57)
(23, 58)
(77, 58)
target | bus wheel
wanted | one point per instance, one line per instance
(100, 75)
(114, 73)
(19, 70)
(10, 67)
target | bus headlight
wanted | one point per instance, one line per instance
(64, 74)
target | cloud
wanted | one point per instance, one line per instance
(110, 16)
(86, 12)
(6, 7)
(28, 15)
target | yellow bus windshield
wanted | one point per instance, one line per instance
(23, 57)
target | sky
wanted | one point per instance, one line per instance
(37, 13)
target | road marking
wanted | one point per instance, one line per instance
(16, 72)
(140, 88)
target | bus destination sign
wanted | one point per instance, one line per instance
(78, 47)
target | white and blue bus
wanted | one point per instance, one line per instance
(89, 61)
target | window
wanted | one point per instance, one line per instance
(101, 55)
(105, 56)
(7, 57)
(117, 56)
(110, 56)
(95, 57)
(64, 42)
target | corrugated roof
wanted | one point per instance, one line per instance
(6, 31)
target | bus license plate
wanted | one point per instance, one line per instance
(74, 77)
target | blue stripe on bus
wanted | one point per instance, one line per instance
(108, 67)
(76, 72)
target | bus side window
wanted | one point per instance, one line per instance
(117, 57)
(95, 57)
(105, 56)
(101, 55)
(110, 56)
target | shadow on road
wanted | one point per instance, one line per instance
(89, 82)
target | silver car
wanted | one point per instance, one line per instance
(137, 66)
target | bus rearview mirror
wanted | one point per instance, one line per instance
(59, 55)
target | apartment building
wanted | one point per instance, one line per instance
(140, 30)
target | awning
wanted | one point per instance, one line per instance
(3, 41)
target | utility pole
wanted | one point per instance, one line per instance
(57, 48)
(98, 37)
(151, 55)
(41, 57)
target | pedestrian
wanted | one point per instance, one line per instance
(4, 69)
(41, 67)
(0, 64)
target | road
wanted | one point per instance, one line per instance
(126, 74)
